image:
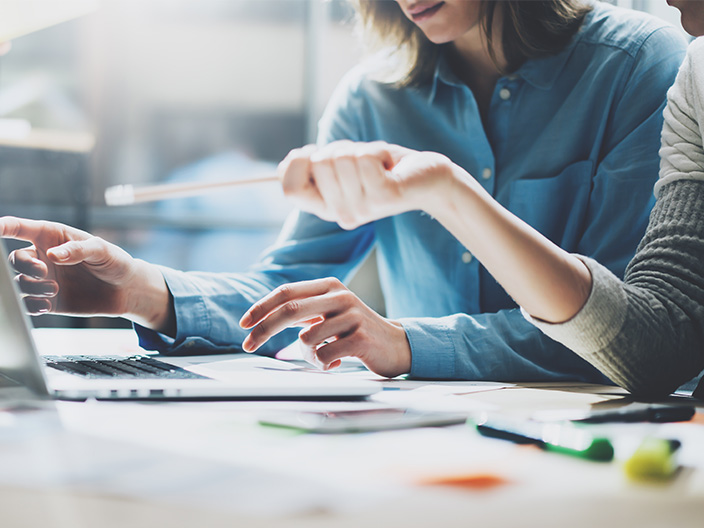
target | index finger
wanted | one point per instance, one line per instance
(33, 230)
(283, 294)
(20, 228)
(294, 170)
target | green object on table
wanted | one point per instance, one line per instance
(558, 437)
(654, 460)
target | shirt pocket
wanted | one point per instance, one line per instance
(557, 206)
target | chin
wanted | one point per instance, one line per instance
(694, 28)
(439, 37)
(691, 15)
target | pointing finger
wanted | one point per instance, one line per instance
(285, 293)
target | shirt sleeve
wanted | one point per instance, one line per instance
(208, 306)
(504, 345)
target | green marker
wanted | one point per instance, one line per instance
(562, 438)
(654, 460)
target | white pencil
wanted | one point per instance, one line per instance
(130, 194)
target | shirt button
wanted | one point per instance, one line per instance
(505, 94)
(486, 173)
(467, 257)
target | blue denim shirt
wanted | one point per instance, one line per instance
(570, 146)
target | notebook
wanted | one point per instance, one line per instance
(79, 376)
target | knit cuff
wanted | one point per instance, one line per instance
(600, 319)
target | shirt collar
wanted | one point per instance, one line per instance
(443, 74)
(543, 72)
(540, 73)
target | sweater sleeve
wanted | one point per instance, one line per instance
(647, 332)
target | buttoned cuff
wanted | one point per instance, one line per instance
(432, 348)
(191, 318)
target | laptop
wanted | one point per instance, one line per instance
(25, 373)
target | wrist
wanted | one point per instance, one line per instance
(448, 181)
(149, 301)
(403, 351)
(466, 208)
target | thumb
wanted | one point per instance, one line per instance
(92, 251)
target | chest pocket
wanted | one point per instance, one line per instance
(557, 206)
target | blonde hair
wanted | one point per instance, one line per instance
(530, 29)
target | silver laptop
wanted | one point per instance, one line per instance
(25, 373)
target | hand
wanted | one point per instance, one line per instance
(337, 324)
(355, 183)
(71, 272)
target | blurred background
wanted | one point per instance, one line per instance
(150, 91)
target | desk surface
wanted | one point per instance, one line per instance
(210, 464)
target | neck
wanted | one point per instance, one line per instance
(472, 56)
(475, 66)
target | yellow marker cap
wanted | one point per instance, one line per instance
(654, 460)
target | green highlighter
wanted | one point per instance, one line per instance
(562, 438)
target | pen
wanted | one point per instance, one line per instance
(130, 194)
(557, 437)
(640, 413)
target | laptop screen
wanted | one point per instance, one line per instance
(18, 358)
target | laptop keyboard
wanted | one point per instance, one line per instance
(118, 367)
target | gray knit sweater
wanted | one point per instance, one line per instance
(646, 333)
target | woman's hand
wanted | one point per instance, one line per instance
(355, 183)
(337, 324)
(69, 271)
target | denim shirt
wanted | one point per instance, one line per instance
(570, 146)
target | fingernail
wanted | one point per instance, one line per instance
(248, 345)
(246, 321)
(60, 254)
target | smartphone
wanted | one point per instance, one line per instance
(358, 421)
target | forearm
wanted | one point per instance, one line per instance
(645, 334)
(208, 306)
(548, 282)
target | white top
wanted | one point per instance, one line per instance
(682, 154)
